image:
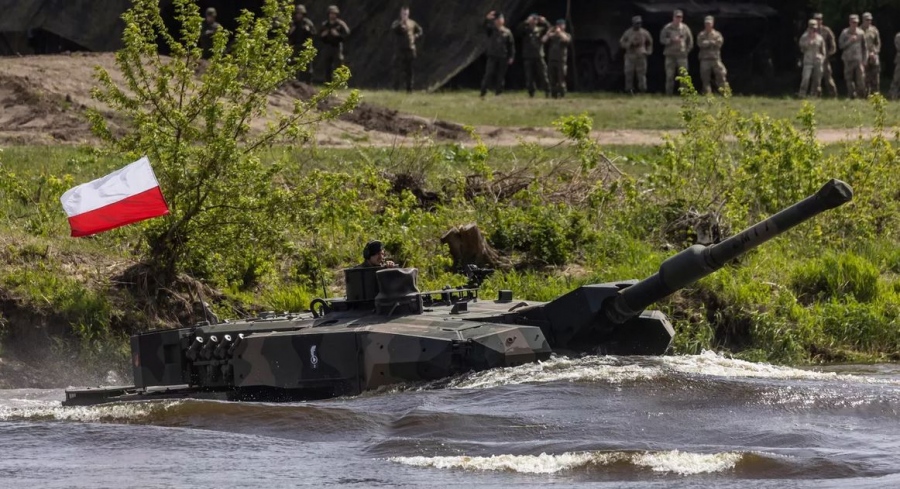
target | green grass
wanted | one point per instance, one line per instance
(609, 111)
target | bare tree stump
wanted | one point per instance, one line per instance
(469, 247)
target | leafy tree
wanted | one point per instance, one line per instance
(199, 122)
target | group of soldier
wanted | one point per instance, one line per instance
(860, 46)
(678, 41)
(537, 33)
(548, 76)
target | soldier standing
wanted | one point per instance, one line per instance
(532, 33)
(873, 62)
(853, 44)
(812, 45)
(333, 32)
(710, 42)
(500, 50)
(207, 31)
(407, 32)
(895, 84)
(638, 45)
(830, 50)
(678, 41)
(301, 30)
(557, 41)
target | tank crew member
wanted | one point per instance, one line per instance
(373, 256)
(812, 45)
(873, 62)
(853, 44)
(301, 29)
(500, 51)
(407, 32)
(333, 32)
(557, 41)
(710, 43)
(207, 31)
(638, 45)
(895, 84)
(532, 32)
(678, 41)
(830, 49)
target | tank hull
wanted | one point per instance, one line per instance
(299, 357)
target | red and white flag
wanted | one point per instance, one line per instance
(125, 196)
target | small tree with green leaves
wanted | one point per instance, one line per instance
(199, 123)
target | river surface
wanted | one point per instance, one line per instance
(702, 420)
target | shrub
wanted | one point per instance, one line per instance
(836, 276)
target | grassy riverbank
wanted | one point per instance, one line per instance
(565, 216)
(608, 110)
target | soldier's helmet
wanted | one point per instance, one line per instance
(372, 248)
(678, 13)
(708, 19)
(333, 9)
(817, 16)
(300, 9)
(867, 16)
(813, 23)
(636, 19)
(854, 18)
(560, 21)
(211, 11)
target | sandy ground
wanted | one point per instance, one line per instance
(42, 99)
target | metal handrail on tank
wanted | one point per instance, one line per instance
(698, 261)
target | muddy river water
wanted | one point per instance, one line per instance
(703, 420)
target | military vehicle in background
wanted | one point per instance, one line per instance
(385, 331)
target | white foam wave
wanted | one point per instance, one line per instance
(674, 461)
(560, 369)
(686, 463)
(717, 365)
(122, 412)
(622, 369)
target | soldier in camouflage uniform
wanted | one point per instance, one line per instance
(638, 45)
(812, 45)
(557, 41)
(332, 33)
(830, 49)
(302, 29)
(532, 32)
(407, 32)
(853, 44)
(895, 84)
(873, 62)
(677, 41)
(710, 42)
(207, 31)
(500, 51)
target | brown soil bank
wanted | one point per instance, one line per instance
(42, 99)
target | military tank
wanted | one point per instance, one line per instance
(385, 331)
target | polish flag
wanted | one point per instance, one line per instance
(123, 197)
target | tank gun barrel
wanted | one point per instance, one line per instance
(696, 262)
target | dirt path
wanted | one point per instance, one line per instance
(42, 99)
